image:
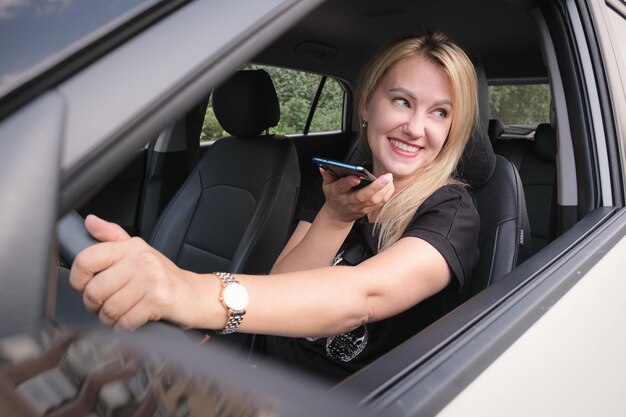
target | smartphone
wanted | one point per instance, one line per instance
(339, 169)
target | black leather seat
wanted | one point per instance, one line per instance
(504, 239)
(495, 129)
(536, 162)
(234, 211)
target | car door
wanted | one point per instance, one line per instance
(547, 340)
(88, 126)
(58, 143)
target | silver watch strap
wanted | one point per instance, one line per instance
(225, 277)
(234, 317)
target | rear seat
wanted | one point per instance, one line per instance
(536, 162)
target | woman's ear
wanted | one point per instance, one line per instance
(364, 116)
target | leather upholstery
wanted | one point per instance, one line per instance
(504, 239)
(536, 162)
(246, 104)
(544, 143)
(234, 211)
(495, 129)
(478, 160)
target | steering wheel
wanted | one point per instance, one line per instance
(73, 237)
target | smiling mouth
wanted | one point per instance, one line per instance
(403, 146)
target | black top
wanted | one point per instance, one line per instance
(449, 222)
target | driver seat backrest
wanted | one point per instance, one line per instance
(233, 213)
(504, 239)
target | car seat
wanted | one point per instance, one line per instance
(234, 211)
(504, 239)
(536, 162)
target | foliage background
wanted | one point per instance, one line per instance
(526, 104)
(295, 90)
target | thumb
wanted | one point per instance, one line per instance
(104, 231)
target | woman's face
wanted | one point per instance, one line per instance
(408, 118)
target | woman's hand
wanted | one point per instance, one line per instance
(347, 204)
(128, 283)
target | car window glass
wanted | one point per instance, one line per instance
(296, 91)
(329, 110)
(520, 104)
(48, 29)
(211, 129)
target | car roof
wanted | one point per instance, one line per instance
(339, 36)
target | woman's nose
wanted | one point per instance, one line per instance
(414, 126)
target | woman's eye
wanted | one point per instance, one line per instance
(401, 101)
(441, 113)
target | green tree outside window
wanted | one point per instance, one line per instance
(524, 104)
(295, 90)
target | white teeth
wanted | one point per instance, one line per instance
(403, 146)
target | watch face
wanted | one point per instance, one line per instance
(235, 296)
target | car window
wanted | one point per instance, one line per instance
(296, 92)
(51, 29)
(329, 110)
(520, 104)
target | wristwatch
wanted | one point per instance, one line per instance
(234, 298)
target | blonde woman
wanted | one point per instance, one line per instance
(365, 269)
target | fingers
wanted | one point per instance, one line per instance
(388, 193)
(344, 184)
(104, 231)
(103, 256)
(327, 177)
(134, 318)
(347, 204)
(93, 260)
(137, 302)
(378, 192)
(121, 308)
(101, 287)
(127, 283)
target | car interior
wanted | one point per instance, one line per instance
(226, 200)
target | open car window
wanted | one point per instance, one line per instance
(74, 130)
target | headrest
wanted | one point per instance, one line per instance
(544, 144)
(246, 104)
(495, 129)
(478, 160)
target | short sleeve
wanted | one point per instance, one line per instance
(448, 220)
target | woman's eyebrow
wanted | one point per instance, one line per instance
(441, 102)
(414, 97)
(403, 90)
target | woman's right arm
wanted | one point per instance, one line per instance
(314, 245)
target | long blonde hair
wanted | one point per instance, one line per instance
(396, 214)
